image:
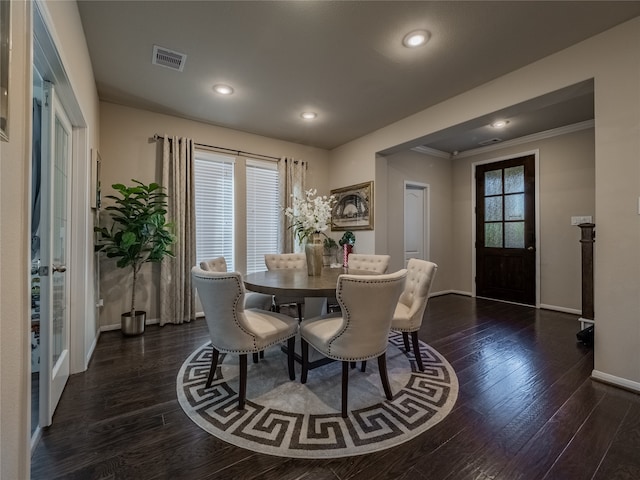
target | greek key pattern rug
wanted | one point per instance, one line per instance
(285, 418)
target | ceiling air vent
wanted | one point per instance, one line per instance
(168, 58)
(491, 141)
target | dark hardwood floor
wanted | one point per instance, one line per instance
(527, 409)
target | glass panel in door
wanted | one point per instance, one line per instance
(55, 228)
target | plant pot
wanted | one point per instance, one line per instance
(313, 250)
(133, 325)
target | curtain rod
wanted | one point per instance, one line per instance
(223, 149)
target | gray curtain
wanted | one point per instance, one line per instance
(177, 299)
(292, 175)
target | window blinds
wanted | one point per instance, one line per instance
(214, 206)
(263, 212)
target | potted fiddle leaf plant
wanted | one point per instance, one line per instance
(139, 234)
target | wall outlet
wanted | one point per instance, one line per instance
(582, 219)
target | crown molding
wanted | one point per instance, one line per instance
(535, 137)
(431, 151)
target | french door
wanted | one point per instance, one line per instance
(55, 233)
(505, 230)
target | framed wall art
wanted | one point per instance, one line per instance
(354, 207)
(5, 44)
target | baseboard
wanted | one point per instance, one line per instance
(556, 308)
(616, 381)
(91, 349)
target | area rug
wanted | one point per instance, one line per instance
(288, 419)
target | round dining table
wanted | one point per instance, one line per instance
(294, 282)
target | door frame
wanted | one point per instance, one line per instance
(426, 233)
(536, 154)
(47, 60)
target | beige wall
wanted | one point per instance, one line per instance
(411, 166)
(15, 361)
(566, 188)
(128, 151)
(611, 60)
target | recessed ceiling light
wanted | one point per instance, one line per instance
(308, 115)
(223, 89)
(500, 123)
(416, 38)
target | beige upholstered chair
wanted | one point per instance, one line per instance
(251, 299)
(361, 332)
(235, 330)
(279, 261)
(413, 302)
(369, 263)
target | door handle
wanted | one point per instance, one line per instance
(59, 268)
(531, 249)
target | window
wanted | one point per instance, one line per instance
(263, 212)
(214, 174)
(504, 207)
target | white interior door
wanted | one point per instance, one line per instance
(415, 222)
(55, 232)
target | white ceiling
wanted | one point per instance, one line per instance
(343, 60)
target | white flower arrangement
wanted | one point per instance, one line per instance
(311, 214)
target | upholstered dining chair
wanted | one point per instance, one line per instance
(278, 261)
(361, 331)
(235, 330)
(369, 262)
(412, 303)
(251, 299)
(365, 263)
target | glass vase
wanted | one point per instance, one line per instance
(313, 249)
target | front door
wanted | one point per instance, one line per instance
(505, 230)
(55, 231)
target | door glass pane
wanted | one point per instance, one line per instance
(493, 182)
(493, 235)
(493, 209)
(60, 229)
(514, 179)
(514, 235)
(514, 207)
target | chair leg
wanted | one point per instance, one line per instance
(382, 367)
(299, 305)
(255, 357)
(291, 345)
(416, 350)
(363, 366)
(261, 353)
(305, 360)
(345, 388)
(405, 338)
(353, 364)
(242, 393)
(214, 365)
